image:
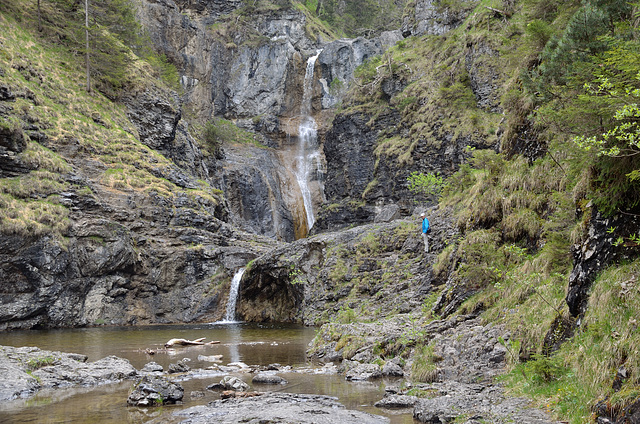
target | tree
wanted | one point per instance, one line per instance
(86, 32)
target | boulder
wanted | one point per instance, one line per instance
(152, 391)
(268, 379)
(364, 372)
(396, 401)
(230, 383)
(392, 369)
(152, 367)
(179, 367)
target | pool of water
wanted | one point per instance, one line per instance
(253, 344)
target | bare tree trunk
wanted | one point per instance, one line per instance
(86, 32)
(319, 5)
(39, 18)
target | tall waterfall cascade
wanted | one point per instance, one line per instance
(230, 316)
(307, 162)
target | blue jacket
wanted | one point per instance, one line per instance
(425, 225)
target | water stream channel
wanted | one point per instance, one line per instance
(253, 344)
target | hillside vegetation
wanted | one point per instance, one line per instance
(562, 123)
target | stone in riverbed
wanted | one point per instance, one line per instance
(397, 401)
(364, 372)
(392, 369)
(230, 383)
(152, 391)
(152, 367)
(268, 379)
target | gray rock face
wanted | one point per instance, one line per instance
(55, 369)
(339, 59)
(278, 408)
(12, 143)
(260, 198)
(311, 279)
(430, 18)
(484, 403)
(152, 391)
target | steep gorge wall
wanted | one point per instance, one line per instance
(250, 69)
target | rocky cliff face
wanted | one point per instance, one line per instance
(248, 65)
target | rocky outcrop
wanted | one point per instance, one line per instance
(261, 198)
(597, 250)
(153, 263)
(313, 279)
(473, 403)
(431, 18)
(278, 407)
(339, 59)
(26, 370)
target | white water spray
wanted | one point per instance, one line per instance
(307, 158)
(230, 316)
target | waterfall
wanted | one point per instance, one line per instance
(306, 162)
(233, 297)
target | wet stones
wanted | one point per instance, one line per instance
(152, 391)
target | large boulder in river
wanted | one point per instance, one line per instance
(152, 391)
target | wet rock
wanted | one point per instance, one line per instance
(152, 367)
(178, 367)
(364, 372)
(278, 407)
(230, 383)
(396, 401)
(151, 391)
(268, 379)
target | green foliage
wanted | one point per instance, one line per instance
(358, 17)
(571, 381)
(428, 185)
(40, 362)
(218, 131)
(424, 368)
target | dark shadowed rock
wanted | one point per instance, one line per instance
(151, 391)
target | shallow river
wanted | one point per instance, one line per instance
(253, 344)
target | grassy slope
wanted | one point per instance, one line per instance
(518, 218)
(48, 81)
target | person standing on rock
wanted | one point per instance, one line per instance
(425, 230)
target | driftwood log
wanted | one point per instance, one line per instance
(185, 342)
